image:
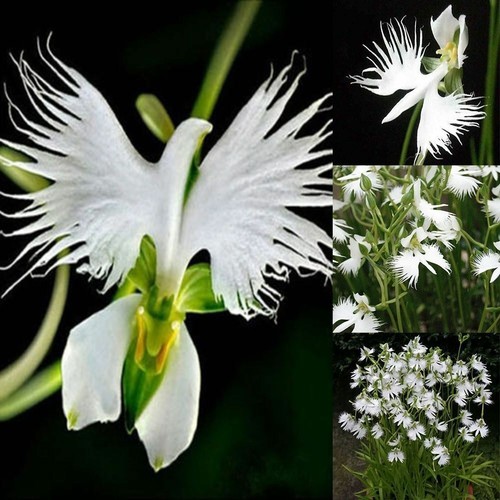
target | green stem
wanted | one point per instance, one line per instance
(486, 302)
(15, 375)
(25, 180)
(409, 131)
(223, 57)
(40, 387)
(458, 279)
(444, 314)
(398, 307)
(486, 152)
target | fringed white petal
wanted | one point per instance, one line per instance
(486, 262)
(397, 63)
(406, 264)
(92, 364)
(340, 234)
(238, 208)
(459, 182)
(105, 197)
(167, 424)
(445, 117)
(345, 315)
(493, 207)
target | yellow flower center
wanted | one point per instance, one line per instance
(449, 53)
(155, 337)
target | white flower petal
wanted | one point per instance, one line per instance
(405, 266)
(444, 27)
(430, 80)
(485, 262)
(92, 364)
(460, 184)
(339, 230)
(105, 196)
(238, 207)
(167, 424)
(433, 254)
(443, 118)
(397, 64)
(366, 323)
(494, 209)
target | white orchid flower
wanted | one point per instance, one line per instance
(493, 206)
(406, 264)
(397, 65)
(355, 261)
(355, 313)
(354, 181)
(460, 183)
(488, 261)
(105, 199)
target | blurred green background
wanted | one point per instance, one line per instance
(266, 401)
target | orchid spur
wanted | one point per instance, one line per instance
(118, 216)
(397, 65)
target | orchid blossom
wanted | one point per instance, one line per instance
(117, 215)
(447, 111)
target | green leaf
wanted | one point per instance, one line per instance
(143, 274)
(139, 386)
(155, 116)
(196, 293)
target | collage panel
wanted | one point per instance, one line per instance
(415, 82)
(165, 250)
(416, 322)
(416, 416)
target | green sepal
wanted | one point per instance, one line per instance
(196, 294)
(158, 317)
(155, 116)
(143, 274)
(139, 386)
(453, 81)
(431, 63)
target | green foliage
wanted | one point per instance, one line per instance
(143, 274)
(196, 294)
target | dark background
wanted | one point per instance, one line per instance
(359, 135)
(266, 401)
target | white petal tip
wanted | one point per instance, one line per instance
(158, 464)
(72, 420)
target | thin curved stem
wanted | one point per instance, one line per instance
(40, 387)
(223, 57)
(15, 375)
(409, 131)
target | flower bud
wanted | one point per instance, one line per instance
(365, 182)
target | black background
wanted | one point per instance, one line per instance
(266, 405)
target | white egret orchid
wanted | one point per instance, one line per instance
(355, 313)
(107, 205)
(397, 65)
(406, 263)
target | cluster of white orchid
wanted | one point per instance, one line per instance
(419, 394)
(398, 226)
(419, 414)
(435, 82)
